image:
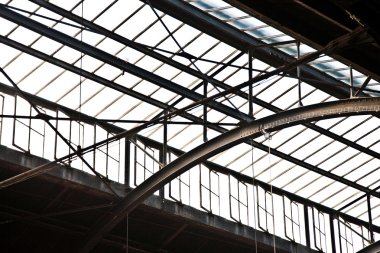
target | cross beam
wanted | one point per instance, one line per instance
(223, 142)
(97, 28)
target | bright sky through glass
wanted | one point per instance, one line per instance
(137, 22)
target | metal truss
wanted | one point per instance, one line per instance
(176, 88)
(122, 133)
(203, 22)
(112, 60)
(223, 142)
(242, 41)
(96, 28)
(235, 89)
(335, 44)
(88, 119)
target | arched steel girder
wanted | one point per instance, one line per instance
(341, 108)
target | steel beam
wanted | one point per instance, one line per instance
(162, 58)
(121, 133)
(364, 85)
(224, 32)
(72, 113)
(373, 248)
(159, 104)
(144, 98)
(78, 71)
(280, 154)
(202, 76)
(114, 61)
(223, 142)
(90, 76)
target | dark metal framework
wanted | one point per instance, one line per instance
(248, 123)
(223, 142)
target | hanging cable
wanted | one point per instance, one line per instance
(126, 240)
(254, 200)
(269, 137)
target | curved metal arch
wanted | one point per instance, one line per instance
(357, 106)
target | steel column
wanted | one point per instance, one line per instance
(307, 225)
(127, 165)
(370, 227)
(205, 112)
(332, 233)
(250, 102)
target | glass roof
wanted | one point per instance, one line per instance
(126, 99)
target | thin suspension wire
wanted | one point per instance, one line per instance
(126, 240)
(254, 199)
(269, 137)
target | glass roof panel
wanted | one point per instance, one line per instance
(109, 72)
(23, 36)
(68, 55)
(114, 11)
(8, 53)
(46, 45)
(138, 22)
(135, 25)
(68, 4)
(14, 70)
(63, 84)
(40, 77)
(91, 10)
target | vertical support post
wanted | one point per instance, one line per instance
(165, 141)
(205, 112)
(250, 87)
(164, 152)
(2, 120)
(107, 154)
(307, 225)
(351, 83)
(332, 234)
(299, 75)
(340, 236)
(127, 161)
(370, 228)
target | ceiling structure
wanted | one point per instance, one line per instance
(180, 73)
